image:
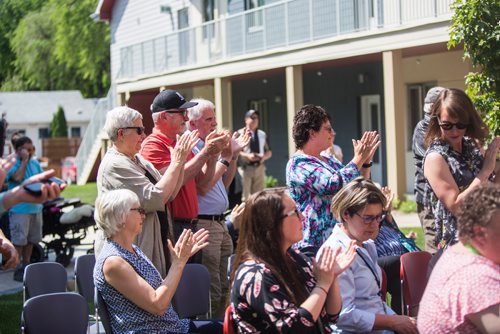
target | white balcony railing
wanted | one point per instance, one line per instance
(278, 25)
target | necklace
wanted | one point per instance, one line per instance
(472, 249)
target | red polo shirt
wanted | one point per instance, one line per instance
(155, 148)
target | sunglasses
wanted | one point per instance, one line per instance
(140, 210)
(291, 213)
(139, 129)
(370, 219)
(449, 126)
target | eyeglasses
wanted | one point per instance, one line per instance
(140, 210)
(448, 126)
(328, 129)
(139, 129)
(254, 117)
(291, 213)
(370, 219)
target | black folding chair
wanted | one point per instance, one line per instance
(192, 297)
(55, 313)
(42, 278)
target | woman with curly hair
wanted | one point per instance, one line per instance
(276, 289)
(314, 177)
(453, 164)
(463, 292)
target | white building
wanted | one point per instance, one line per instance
(368, 62)
(30, 113)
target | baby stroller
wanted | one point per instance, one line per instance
(65, 221)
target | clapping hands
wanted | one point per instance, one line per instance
(187, 245)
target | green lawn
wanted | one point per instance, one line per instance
(10, 313)
(86, 193)
(420, 235)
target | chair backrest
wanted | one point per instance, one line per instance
(383, 288)
(413, 274)
(55, 313)
(192, 297)
(102, 313)
(84, 276)
(42, 278)
(229, 325)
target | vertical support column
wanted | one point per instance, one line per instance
(394, 120)
(223, 102)
(121, 99)
(294, 100)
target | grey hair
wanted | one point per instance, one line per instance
(156, 117)
(119, 117)
(195, 113)
(112, 208)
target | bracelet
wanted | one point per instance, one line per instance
(368, 165)
(224, 162)
(326, 292)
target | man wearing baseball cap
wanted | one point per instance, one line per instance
(251, 162)
(424, 213)
(169, 110)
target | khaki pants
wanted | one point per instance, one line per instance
(215, 257)
(253, 179)
(427, 221)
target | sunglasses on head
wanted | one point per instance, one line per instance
(139, 129)
(449, 126)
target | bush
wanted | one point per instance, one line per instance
(271, 182)
(404, 205)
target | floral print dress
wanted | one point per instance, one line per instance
(464, 167)
(312, 183)
(261, 305)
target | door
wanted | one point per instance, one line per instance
(371, 121)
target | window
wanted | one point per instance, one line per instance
(75, 132)
(416, 95)
(43, 133)
(208, 15)
(254, 19)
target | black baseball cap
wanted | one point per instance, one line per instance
(251, 112)
(170, 99)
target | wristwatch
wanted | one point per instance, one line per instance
(224, 162)
(368, 165)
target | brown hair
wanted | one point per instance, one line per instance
(356, 195)
(309, 117)
(261, 237)
(477, 208)
(459, 106)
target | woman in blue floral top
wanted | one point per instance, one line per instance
(276, 289)
(453, 163)
(313, 178)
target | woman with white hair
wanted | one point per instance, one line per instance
(123, 168)
(136, 296)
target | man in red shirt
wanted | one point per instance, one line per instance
(169, 117)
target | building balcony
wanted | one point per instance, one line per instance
(279, 27)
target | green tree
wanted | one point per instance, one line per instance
(11, 12)
(36, 66)
(60, 48)
(476, 24)
(58, 126)
(82, 44)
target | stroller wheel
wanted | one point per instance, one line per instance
(65, 256)
(38, 254)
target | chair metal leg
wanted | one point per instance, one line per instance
(402, 299)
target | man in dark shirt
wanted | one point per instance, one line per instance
(424, 211)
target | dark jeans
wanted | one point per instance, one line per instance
(391, 266)
(179, 226)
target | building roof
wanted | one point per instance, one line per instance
(104, 10)
(38, 107)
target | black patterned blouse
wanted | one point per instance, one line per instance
(262, 305)
(464, 167)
